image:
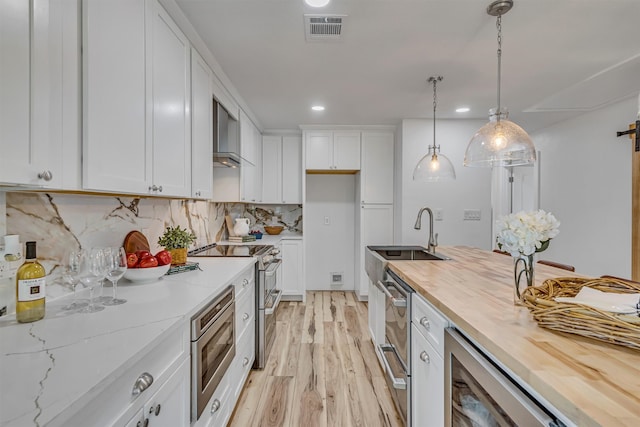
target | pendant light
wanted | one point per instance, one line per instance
(500, 142)
(434, 167)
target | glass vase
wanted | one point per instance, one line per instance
(523, 276)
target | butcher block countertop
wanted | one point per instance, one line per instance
(592, 383)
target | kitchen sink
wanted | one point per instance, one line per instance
(403, 253)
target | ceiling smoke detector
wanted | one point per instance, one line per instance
(324, 27)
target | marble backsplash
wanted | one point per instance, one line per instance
(60, 223)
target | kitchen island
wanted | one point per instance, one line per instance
(592, 383)
(54, 368)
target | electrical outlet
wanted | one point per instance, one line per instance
(471, 215)
(326, 220)
(438, 215)
(336, 278)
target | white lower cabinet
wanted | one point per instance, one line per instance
(376, 311)
(170, 406)
(427, 363)
(292, 269)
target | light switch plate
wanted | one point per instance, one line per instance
(438, 215)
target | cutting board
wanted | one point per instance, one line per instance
(229, 222)
(135, 241)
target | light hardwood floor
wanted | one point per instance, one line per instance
(322, 370)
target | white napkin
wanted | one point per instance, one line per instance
(607, 301)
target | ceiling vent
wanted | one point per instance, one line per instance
(324, 27)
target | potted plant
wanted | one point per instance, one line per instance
(176, 240)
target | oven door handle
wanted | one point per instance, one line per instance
(273, 266)
(274, 307)
(398, 383)
(397, 302)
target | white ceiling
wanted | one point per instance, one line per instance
(560, 58)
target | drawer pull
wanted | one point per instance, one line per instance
(425, 322)
(155, 410)
(245, 316)
(46, 175)
(245, 282)
(142, 383)
(215, 406)
(425, 357)
(245, 361)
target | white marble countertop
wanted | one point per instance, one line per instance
(60, 363)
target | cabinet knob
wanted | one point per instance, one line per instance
(245, 282)
(155, 410)
(425, 322)
(215, 406)
(160, 189)
(142, 383)
(245, 361)
(46, 175)
(153, 188)
(245, 316)
(198, 193)
(425, 357)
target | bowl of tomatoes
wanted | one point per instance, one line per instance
(142, 266)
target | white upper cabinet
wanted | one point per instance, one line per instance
(251, 170)
(30, 155)
(282, 169)
(171, 89)
(291, 169)
(327, 150)
(377, 167)
(201, 128)
(137, 92)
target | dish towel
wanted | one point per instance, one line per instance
(607, 301)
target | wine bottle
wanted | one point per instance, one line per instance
(30, 288)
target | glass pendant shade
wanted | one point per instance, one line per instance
(434, 167)
(500, 143)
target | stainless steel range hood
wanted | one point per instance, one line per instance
(226, 141)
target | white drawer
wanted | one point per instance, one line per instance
(242, 363)
(245, 312)
(219, 407)
(245, 282)
(429, 322)
(117, 399)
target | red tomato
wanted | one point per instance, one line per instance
(132, 260)
(164, 257)
(148, 261)
(142, 254)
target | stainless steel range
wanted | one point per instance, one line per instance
(267, 294)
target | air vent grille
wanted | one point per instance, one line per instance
(324, 27)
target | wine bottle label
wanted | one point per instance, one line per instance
(31, 289)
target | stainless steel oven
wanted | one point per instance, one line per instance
(213, 348)
(267, 300)
(478, 392)
(395, 351)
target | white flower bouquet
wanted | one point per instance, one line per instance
(524, 233)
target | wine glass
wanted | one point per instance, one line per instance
(102, 266)
(91, 275)
(116, 261)
(70, 275)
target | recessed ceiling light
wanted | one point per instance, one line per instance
(463, 110)
(317, 108)
(317, 3)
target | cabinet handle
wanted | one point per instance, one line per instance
(160, 189)
(245, 282)
(146, 422)
(425, 357)
(245, 316)
(155, 410)
(215, 406)
(142, 383)
(153, 188)
(245, 361)
(425, 322)
(46, 175)
(198, 193)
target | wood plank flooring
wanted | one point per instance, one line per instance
(322, 370)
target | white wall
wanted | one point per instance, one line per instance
(329, 248)
(585, 181)
(470, 190)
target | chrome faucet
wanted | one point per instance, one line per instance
(433, 242)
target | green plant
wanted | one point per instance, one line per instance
(176, 238)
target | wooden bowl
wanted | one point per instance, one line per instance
(273, 229)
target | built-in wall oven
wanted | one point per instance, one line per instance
(213, 348)
(479, 392)
(395, 351)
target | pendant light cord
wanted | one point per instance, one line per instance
(499, 27)
(434, 80)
